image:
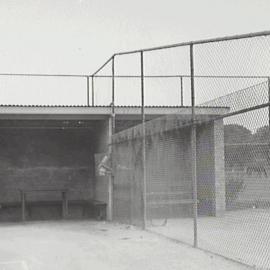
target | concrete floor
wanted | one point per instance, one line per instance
(75, 245)
(242, 235)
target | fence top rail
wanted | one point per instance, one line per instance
(135, 76)
(44, 75)
(197, 42)
(108, 61)
(188, 76)
(203, 41)
(182, 44)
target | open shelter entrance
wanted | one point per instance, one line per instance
(47, 169)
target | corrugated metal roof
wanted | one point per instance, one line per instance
(80, 106)
(102, 106)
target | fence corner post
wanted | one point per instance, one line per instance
(193, 151)
(144, 202)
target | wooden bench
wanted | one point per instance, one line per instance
(156, 200)
(98, 208)
(63, 202)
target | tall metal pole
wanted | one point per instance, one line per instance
(269, 106)
(111, 147)
(193, 151)
(93, 91)
(113, 96)
(144, 215)
(87, 86)
(182, 94)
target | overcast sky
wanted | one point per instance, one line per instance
(76, 36)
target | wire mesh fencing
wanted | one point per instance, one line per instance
(233, 182)
(201, 174)
(241, 229)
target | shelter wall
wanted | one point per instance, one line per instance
(46, 159)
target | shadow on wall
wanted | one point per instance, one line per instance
(39, 159)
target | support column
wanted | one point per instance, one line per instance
(104, 184)
(211, 168)
(110, 177)
(219, 206)
(143, 184)
(193, 151)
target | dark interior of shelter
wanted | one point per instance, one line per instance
(42, 160)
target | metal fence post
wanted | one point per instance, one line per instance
(111, 150)
(87, 86)
(181, 88)
(93, 91)
(268, 82)
(268, 85)
(144, 216)
(193, 151)
(113, 96)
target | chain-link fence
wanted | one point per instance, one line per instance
(200, 174)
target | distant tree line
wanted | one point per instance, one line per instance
(234, 134)
(245, 150)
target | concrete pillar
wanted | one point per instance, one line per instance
(104, 184)
(210, 168)
(220, 196)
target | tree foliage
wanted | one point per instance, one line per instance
(235, 133)
(261, 135)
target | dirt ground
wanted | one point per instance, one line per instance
(242, 235)
(75, 245)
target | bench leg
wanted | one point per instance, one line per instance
(100, 212)
(64, 205)
(23, 197)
